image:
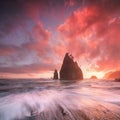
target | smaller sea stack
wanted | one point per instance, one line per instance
(70, 69)
(55, 75)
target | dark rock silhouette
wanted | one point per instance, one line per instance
(93, 77)
(55, 75)
(112, 74)
(70, 69)
(117, 80)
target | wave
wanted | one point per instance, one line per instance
(54, 100)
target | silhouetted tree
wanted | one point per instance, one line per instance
(55, 74)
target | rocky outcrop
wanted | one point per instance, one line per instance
(112, 75)
(117, 80)
(55, 75)
(70, 69)
(93, 77)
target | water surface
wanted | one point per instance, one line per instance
(44, 99)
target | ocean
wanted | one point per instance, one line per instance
(47, 99)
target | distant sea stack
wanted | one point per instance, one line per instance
(55, 75)
(70, 69)
(93, 77)
(112, 75)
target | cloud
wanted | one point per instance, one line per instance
(36, 8)
(7, 50)
(77, 29)
(39, 40)
(90, 35)
(70, 2)
(31, 68)
(34, 56)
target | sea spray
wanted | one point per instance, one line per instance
(50, 100)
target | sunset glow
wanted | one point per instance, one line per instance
(36, 34)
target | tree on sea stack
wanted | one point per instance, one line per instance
(55, 75)
(70, 69)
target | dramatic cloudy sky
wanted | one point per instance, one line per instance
(36, 34)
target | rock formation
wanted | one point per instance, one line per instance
(55, 75)
(112, 75)
(70, 69)
(117, 80)
(93, 77)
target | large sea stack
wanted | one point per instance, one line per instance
(70, 69)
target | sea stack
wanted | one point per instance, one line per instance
(70, 69)
(55, 75)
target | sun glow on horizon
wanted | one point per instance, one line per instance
(99, 75)
(49, 75)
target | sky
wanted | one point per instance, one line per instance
(36, 34)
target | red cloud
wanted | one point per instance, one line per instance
(70, 2)
(33, 9)
(76, 30)
(40, 40)
(7, 50)
(90, 35)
